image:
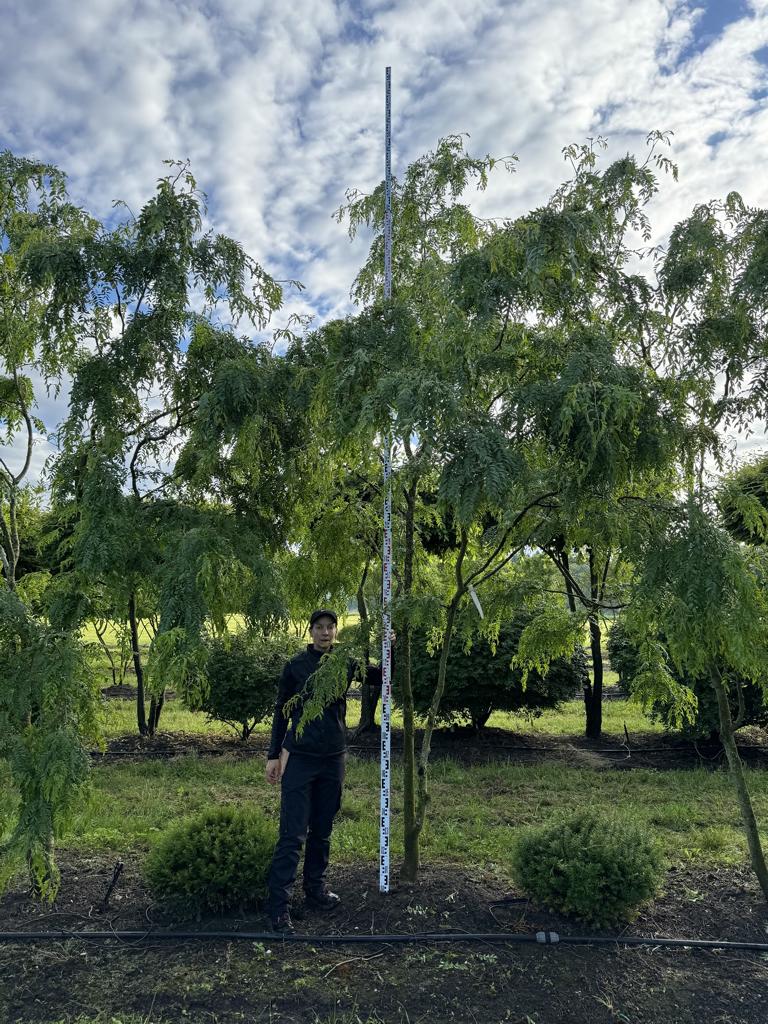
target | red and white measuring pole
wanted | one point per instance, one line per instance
(386, 583)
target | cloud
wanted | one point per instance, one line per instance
(280, 107)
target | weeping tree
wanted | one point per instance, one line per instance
(427, 368)
(171, 470)
(713, 290)
(580, 338)
(47, 696)
(706, 595)
(394, 369)
(35, 213)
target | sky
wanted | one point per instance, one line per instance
(280, 107)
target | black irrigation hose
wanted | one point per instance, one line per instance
(531, 938)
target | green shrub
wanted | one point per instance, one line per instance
(480, 681)
(217, 861)
(596, 866)
(625, 660)
(243, 670)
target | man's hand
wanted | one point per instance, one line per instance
(276, 767)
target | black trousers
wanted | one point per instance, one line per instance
(309, 799)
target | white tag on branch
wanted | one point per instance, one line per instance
(476, 600)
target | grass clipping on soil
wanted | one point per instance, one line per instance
(217, 861)
(597, 866)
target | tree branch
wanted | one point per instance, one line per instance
(30, 434)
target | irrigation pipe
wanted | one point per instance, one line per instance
(530, 938)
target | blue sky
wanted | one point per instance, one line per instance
(280, 106)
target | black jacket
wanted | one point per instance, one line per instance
(324, 735)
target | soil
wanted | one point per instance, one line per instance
(645, 750)
(231, 981)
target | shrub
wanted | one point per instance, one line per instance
(480, 681)
(217, 861)
(624, 659)
(622, 654)
(243, 671)
(596, 866)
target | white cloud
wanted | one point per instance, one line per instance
(280, 107)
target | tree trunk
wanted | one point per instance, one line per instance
(593, 694)
(479, 718)
(426, 742)
(739, 781)
(369, 695)
(568, 586)
(155, 707)
(410, 867)
(101, 635)
(138, 667)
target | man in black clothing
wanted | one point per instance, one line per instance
(310, 769)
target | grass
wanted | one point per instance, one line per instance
(693, 813)
(119, 719)
(475, 811)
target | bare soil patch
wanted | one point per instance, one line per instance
(643, 750)
(228, 981)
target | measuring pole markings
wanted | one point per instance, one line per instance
(386, 579)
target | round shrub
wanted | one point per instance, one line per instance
(215, 862)
(243, 670)
(596, 866)
(480, 681)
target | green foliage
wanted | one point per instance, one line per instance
(480, 679)
(610, 422)
(430, 223)
(550, 633)
(243, 672)
(622, 654)
(48, 707)
(330, 680)
(215, 862)
(743, 502)
(705, 593)
(180, 497)
(589, 863)
(625, 659)
(178, 660)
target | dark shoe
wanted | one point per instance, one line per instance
(282, 924)
(324, 902)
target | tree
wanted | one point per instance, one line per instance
(170, 470)
(35, 213)
(47, 698)
(603, 434)
(392, 369)
(707, 596)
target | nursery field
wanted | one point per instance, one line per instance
(528, 772)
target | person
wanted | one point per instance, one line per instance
(310, 770)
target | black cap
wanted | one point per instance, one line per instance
(320, 612)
